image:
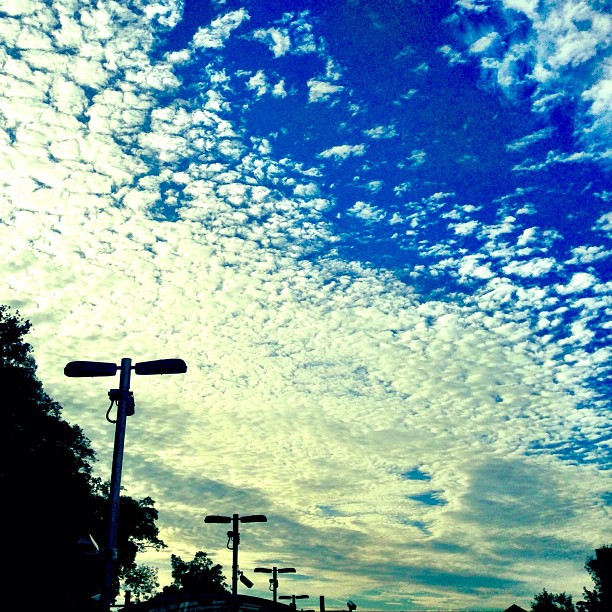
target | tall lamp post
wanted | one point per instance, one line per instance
(274, 580)
(293, 598)
(234, 538)
(125, 407)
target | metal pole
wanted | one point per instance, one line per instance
(115, 486)
(275, 583)
(236, 539)
(321, 603)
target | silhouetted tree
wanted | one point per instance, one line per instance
(142, 581)
(600, 570)
(51, 501)
(199, 575)
(45, 476)
(591, 602)
(597, 600)
(548, 602)
(136, 529)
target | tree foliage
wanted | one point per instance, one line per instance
(46, 475)
(52, 502)
(600, 570)
(597, 600)
(142, 581)
(548, 602)
(199, 575)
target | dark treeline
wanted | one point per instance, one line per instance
(52, 503)
(599, 599)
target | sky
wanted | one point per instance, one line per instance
(377, 232)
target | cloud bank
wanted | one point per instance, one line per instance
(409, 448)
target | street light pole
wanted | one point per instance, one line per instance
(235, 544)
(292, 605)
(274, 580)
(274, 583)
(115, 487)
(234, 537)
(125, 407)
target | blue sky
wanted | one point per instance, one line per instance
(379, 235)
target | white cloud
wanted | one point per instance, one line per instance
(409, 94)
(528, 7)
(527, 237)
(562, 49)
(466, 228)
(407, 51)
(374, 186)
(604, 223)
(277, 40)
(536, 267)
(321, 91)
(293, 34)
(526, 141)
(366, 211)
(452, 55)
(588, 254)
(306, 189)
(579, 282)
(472, 267)
(555, 157)
(483, 43)
(216, 35)
(422, 68)
(341, 152)
(600, 94)
(473, 5)
(402, 188)
(417, 157)
(259, 83)
(278, 91)
(381, 131)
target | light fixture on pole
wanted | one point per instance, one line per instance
(293, 598)
(124, 399)
(233, 537)
(274, 580)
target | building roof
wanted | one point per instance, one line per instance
(205, 602)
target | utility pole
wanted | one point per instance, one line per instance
(274, 580)
(234, 537)
(110, 551)
(125, 407)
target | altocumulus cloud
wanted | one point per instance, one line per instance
(559, 46)
(400, 446)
